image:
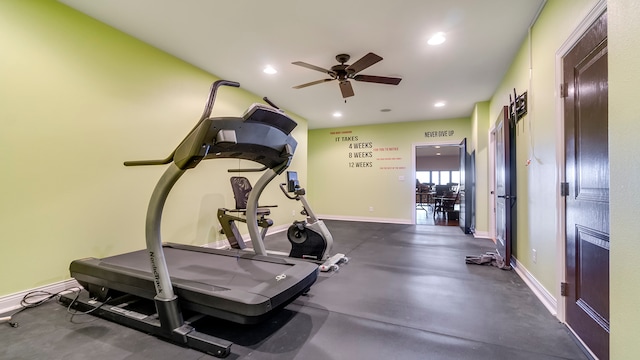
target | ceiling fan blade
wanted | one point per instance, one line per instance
(312, 83)
(377, 79)
(312, 67)
(346, 89)
(363, 63)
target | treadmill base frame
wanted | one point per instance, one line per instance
(115, 310)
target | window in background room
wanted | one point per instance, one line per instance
(423, 176)
(455, 177)
(435, 177)
(444, 177)
(438, 177)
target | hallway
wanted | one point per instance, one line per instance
(406, 293)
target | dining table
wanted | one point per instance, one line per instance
(425, 197)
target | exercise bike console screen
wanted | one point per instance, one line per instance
(292, 181)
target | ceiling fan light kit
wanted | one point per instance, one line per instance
(344, 72)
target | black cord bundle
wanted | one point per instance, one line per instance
(28, 302)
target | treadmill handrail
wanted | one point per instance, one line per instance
(205, 115)
(159, 268)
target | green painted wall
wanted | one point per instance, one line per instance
(78, 98)
(537, 136)
(480, 145)
(624, 127)
(354, 169)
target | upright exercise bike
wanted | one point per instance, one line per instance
(310, 239)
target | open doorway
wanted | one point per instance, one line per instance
(438, 179)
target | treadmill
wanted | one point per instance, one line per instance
(184, 283)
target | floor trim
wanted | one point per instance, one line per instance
(481, 235)
(12, 301)
(547, 299)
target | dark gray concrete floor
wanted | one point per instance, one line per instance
(406, 293)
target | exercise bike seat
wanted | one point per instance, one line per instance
(241, 189)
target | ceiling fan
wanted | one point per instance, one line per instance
(345, 72)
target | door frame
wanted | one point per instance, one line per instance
(413, 166)
(492, 182)
(564, 49)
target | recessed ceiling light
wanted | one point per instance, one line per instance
(437, 146)
(437, 39)
(337, 114)
(439, 104)
(438, 154)
(269, 70)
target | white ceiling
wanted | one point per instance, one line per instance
(236, 39)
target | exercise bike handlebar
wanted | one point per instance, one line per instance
(286, 193)
(205, 115)
(300, 192)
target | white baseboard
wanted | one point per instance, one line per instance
(366, 219)
(481, 235)
(12, 301)
(547, 299)
(224, 243)
(220, 244)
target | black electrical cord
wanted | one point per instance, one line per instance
(28, 302)
(76, 312)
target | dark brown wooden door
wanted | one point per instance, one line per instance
(587, 188)
(503, 188)
(463, 217)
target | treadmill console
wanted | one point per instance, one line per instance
(269, 115)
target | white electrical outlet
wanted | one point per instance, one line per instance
(371, 208)
(534, 256)
(293, 213)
